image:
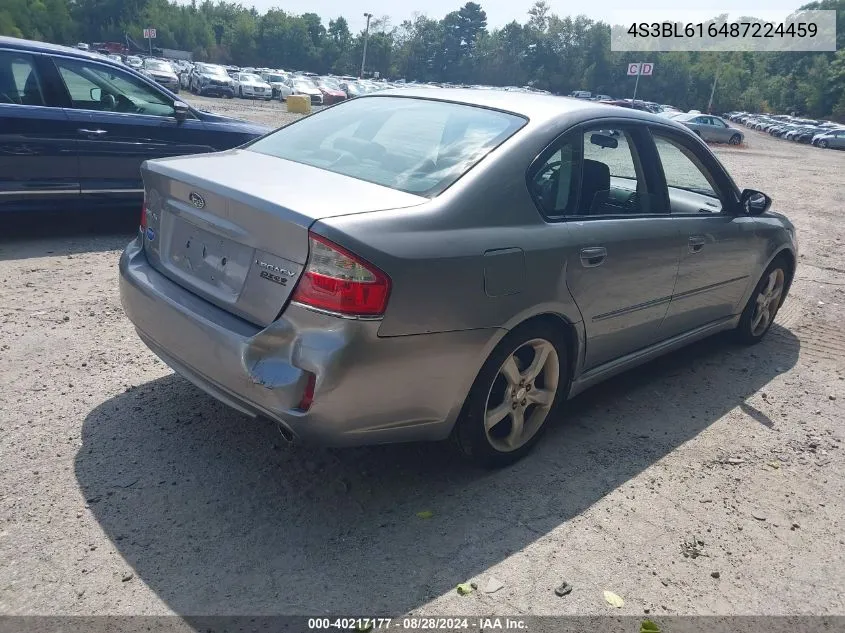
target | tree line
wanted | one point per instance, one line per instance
(545, 50)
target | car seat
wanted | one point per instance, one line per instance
(594, 182)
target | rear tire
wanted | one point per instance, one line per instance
(764, 303)
(516, 394)
(736, 139)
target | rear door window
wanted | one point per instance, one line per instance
(419, 146)
(596, 172)
(19, 83)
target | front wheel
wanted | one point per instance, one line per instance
(517, 391)
(736, 139)
(763, 305)
(823, 144)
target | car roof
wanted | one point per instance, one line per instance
(534, 106)
(44, 47)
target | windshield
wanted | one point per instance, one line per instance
(302, 84)
(154, 64)
(328, 83)
(249, 77)
(413, 145)
(211, 69)
(276, 78)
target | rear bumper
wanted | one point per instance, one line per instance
(368, 389)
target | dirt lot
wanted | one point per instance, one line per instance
(125, 490)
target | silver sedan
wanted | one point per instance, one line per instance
(419, 266)
(711, 128)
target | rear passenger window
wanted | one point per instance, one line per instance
(691, 186)
(593, 173)
(19, 84)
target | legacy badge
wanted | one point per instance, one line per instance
(274, 273)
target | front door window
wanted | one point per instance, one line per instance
(93, 86)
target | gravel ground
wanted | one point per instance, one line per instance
(270, 113)
(707, 482)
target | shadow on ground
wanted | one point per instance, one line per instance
(218, 516)
(71, 232)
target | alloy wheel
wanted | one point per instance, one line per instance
(767, 302)
(522, 394)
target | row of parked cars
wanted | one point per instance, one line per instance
(819, 133)
(265, 83)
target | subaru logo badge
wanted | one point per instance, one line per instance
(197, 200)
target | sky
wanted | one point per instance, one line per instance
(500, 12)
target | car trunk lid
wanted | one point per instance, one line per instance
(233, 226)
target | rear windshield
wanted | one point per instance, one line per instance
(418, 146)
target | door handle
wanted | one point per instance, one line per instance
(696, 243)
(593, 256)
(92, 132)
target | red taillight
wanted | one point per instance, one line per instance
(308, 394)
(338, 281)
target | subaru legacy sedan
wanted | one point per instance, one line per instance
(76, 126)
(419, 266)
(711, 128)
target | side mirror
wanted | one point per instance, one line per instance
(96, 94)
(753, 202)
(181, 110)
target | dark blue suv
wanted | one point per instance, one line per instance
(75, 128)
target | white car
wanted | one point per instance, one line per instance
(277, 83)
(300, 85)
(251, 85)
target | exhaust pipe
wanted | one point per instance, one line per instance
(285, 432)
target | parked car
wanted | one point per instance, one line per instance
(711, 128)
(185, 78)
(300, 85)
(115, 58)
(251, 85)
(211, 79)
(307, 277)
(352, 88)
(834, 139)
(134, 62)
(75, 128)
(162, 73)
(330, 87)
(277, 83)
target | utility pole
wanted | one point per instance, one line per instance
(366, 37)
(712, 92)
(636, 83)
